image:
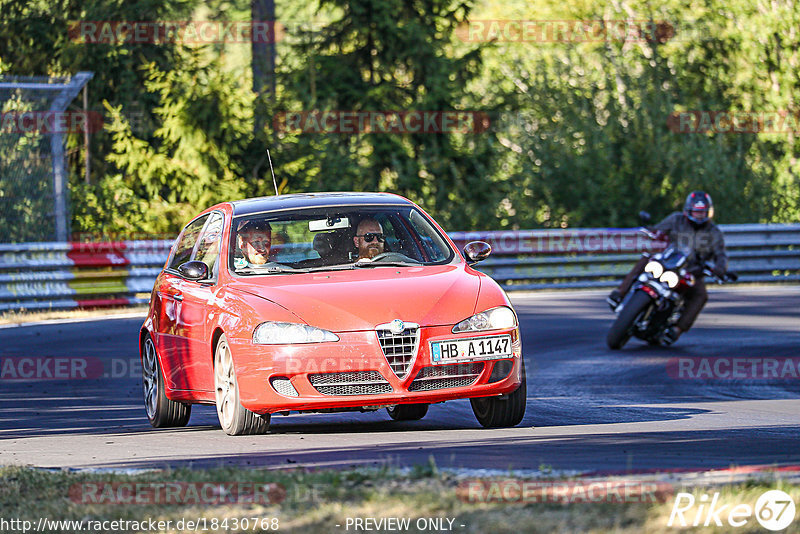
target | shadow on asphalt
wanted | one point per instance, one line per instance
(609, 452)
(57, 418)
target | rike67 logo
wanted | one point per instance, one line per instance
(774, 510)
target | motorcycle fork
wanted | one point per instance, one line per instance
(644, 321)
(657, 314)
(675, 314)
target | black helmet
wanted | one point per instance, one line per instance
(698, 208)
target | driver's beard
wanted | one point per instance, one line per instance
(373, 251)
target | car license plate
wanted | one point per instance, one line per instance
(479, 348)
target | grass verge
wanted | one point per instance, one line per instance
(326, 501)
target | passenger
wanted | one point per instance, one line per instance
(254, 239)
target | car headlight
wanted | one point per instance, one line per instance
(496, 318)
(670, 278)
(272, 333)
(654, 268)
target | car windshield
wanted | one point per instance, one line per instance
(344, 237)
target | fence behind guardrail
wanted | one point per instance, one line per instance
(79, 275)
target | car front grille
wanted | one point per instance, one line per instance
(350, 383)
(446, 376)
(399, 349)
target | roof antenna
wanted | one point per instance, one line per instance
(273, 173)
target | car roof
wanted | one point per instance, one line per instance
(251, 206)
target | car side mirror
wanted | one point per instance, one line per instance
(644, 217)
(194, 270)
(476, 251)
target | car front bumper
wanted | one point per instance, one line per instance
(354, 372)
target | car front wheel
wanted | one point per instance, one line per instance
(236, 420)
(504, 411)
(161, 411)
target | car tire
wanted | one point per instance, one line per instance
(235, 419)
(161, 411)
(620, 331)
(504, 411)
(407, 412)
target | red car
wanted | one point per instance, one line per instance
(326, 302)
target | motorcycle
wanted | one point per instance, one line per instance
(656, 300)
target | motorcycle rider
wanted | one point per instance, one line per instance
(690, 230)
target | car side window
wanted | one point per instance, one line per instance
(395, 238)
(435, 247)
(207, 248)
(187, 241)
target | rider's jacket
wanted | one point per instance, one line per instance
(705, 240)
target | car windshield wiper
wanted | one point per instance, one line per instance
(386, 264)
(340, 267)
(271, 269)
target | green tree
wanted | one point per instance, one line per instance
(195, 156)
(395, 55)
(595, 145)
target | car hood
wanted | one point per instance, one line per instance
(360, 299)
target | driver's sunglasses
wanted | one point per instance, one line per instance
(370, 237)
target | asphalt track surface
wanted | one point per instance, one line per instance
(588, 409)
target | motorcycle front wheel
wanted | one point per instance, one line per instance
(621, 330)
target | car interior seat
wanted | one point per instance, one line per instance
(332, 247)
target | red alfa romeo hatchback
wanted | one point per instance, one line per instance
(326, 302)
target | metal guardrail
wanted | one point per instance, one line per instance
(599, 258)
(80, 275)
(59, 275)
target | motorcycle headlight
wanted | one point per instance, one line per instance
(493, 319)
(272, 333)
(654, 268)
(670, 278)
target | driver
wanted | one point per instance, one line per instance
(254, 239)
(369, 239)
(690, 230)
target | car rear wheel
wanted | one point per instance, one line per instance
(504, 411)
(236, 420)
(407, 412)
(161, 411)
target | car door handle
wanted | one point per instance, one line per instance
(178, 297)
